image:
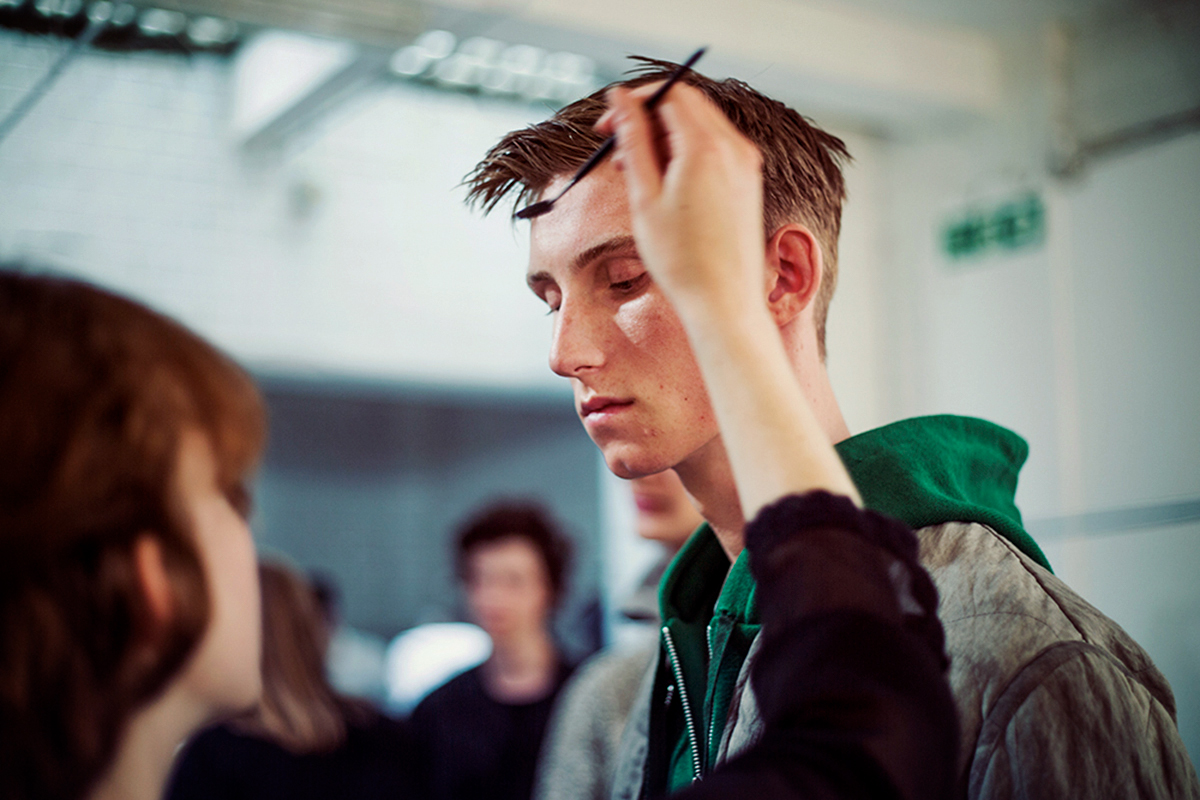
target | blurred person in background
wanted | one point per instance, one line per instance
(304, 739)
(128, 590)
(1055, 699)
(580, 750)
(478, 736)
(664, 514)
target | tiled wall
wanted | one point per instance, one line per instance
(345, 249)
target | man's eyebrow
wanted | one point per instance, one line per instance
(617, 244)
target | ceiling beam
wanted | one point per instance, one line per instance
(890, 71)
(387, 23)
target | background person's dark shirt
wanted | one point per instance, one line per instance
(471, 746)
(374, 763)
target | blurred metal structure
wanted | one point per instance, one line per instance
(1123, 81)
(386, 23)
(96, 24)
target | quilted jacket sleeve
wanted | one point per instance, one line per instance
(1076, 723)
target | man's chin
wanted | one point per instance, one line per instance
(629, 466)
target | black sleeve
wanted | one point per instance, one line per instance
(851, 676)
(421, 734)
(207, 768)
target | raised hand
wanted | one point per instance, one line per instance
(695, 191)
(695, 195)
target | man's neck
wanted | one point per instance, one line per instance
(522, 667)
(708, 476)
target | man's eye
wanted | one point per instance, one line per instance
(630, 285)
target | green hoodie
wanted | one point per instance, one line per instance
(923, 471)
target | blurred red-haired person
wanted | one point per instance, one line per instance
(129, 603)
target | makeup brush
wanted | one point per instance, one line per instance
(542, 206)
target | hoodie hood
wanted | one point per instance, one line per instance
(930, 470)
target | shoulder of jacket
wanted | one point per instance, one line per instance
(984, 580)
(1081, 724)
(1002, 612)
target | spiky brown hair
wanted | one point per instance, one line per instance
(802, 164)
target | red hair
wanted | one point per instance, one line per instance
(95, 394)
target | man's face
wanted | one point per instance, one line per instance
(508, 588)
(637, 386)
(664, 512)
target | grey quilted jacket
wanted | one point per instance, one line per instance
(1054, 699)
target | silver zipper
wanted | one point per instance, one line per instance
(683, 700)
(712, 723)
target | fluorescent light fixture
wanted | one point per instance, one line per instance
(437, 44)
(161, 22)
(124, 14)
(212, 31)
(100, 11)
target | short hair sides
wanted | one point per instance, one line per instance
(802, 164)
(96, 392)
(520, 520)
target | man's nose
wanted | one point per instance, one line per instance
(577, 343)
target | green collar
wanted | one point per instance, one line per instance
(929, 470)
(922, 471)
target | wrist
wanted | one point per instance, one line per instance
(732, 316)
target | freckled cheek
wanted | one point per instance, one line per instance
(650, 324)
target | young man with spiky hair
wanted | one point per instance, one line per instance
(1054, 699)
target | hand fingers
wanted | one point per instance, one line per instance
(645, 91)
(635, 147)
(685, 116)
(691, 119)
(641, 94)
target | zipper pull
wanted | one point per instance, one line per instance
(670, 695)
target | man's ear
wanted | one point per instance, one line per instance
(154, 581)
(794, 265)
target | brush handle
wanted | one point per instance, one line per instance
(588, 165)
(675, 76)
(650, 103)
(542, 206)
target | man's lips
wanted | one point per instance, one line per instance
(650, 504)
(602, 405)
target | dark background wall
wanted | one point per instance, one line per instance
(368, 484)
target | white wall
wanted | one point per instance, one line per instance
(346, 251)
(854, 329)
(1088, 346)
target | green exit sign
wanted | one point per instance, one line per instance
(1012, 225)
